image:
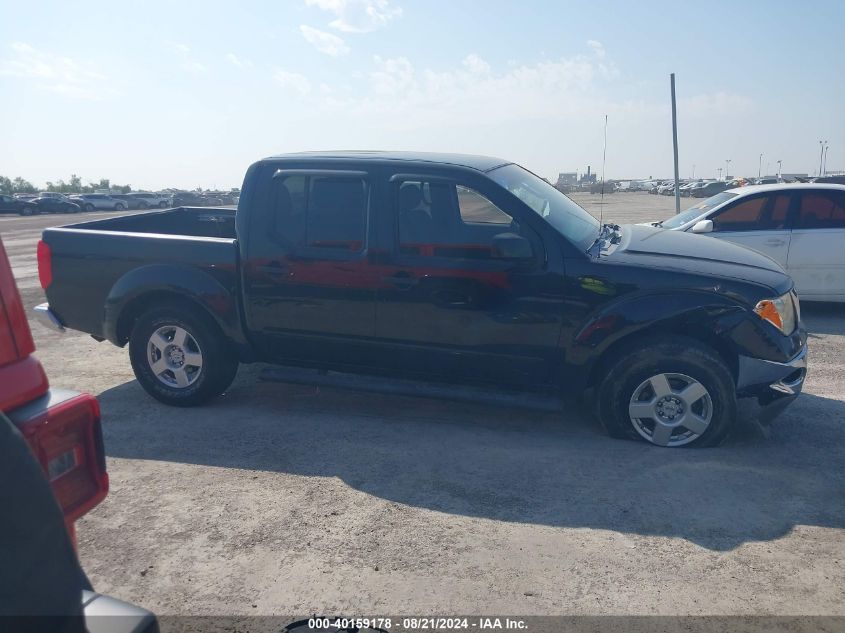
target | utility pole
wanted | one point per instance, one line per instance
(675, 145)
(727, 168)
(824, 163)
(693, 171)
(760, 168)
(719, 169)
(780, 165)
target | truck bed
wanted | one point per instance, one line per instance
(187, 221)
(95, 263)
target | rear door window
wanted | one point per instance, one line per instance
(821, 210)
(320, 212)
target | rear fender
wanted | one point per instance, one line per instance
(133, 292)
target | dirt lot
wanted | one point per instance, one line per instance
(280, 499)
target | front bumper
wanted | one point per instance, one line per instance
(774, 385)
(47, 317)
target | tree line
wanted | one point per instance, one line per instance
(11, 186)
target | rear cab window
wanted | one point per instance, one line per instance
(319, 211)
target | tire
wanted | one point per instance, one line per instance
(187, 385)
(634, 384)
(27, 211)
(162, 205)
(119, 207)
(89, 207)
(143, 206)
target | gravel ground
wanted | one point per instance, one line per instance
(282, 499)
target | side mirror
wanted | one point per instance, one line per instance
(702, 226)
(511, 246)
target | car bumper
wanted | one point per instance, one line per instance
(774, 385)
(110, 615)
(48, 318)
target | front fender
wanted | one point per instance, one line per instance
(217, 296)
(696, 313)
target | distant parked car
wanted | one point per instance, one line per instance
(709, 189)
(25, 196)
(766, 181)
(800, 226)
(52, 194)
(194, 199)
(603, 187)
(8, 204)
(831, 180)
(91, 201)
(56, 205)
(150, 200)
(129, 201)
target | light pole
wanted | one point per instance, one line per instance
(821, 155)
(727, 168)
(824, 163)
(719, 169)
(693, 171)
(780, 164)
(760, 168)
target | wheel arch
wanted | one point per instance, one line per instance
(150, 286)
(607, 336)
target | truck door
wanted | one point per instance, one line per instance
(309, 290)
(470, 291)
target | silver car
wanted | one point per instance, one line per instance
(91, 201)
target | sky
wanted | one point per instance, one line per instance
(188, 94)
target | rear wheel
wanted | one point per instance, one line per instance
(27, 211)
(119, 207)
(180, 357)
(670, 392)
(89, 207)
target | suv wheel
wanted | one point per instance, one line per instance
(119, 207)
(89, 207)
(27, 211)
(180, 357)
(670, 392)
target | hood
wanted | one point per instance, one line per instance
(698, 254)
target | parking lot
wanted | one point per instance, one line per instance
(280, 499)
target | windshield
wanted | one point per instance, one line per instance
(700, 209)
(578, 226)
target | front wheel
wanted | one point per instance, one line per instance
(180, 357)
(670, 392)
(89, 207)
(119, 207)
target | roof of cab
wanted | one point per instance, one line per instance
(480, 163)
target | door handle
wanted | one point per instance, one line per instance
(274, 268)
(775, 242)
(402, 280)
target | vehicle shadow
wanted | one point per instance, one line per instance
(823, 318)
(506, 464)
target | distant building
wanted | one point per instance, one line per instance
(567, 178)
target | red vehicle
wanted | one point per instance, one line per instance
(63, 433)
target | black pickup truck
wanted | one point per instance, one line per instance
(435, 268)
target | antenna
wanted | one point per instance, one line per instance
(603, 163)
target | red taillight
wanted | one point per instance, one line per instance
(67, 440)
(45, 264)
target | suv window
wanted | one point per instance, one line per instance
(756, 213)
(440, 219)
(320, 212)
(821, 210)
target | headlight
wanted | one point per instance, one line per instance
(779, 312)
